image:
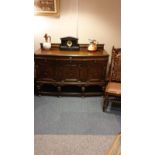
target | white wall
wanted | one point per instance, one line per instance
(97, 19)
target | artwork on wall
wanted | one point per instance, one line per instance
(47, 7)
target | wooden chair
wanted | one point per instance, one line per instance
(113, 87)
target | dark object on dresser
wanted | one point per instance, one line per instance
(67, 73)
(113, 88)
(69, 44)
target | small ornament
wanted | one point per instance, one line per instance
(92, 45)
(47, 44)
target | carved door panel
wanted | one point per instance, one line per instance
(83, 71)
(70, 72)
(45, 70)
(96, 71)
(58, 72)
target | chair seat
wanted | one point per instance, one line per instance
(113, 88)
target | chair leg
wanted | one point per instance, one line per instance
(106, 102)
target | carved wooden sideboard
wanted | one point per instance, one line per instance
(73, 73)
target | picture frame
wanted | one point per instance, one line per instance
(47, 7)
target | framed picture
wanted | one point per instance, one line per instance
(47, 7)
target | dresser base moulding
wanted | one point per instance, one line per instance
(69, 90)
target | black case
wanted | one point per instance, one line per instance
(74, 47)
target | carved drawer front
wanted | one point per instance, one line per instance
(96, 70)
(45, 70)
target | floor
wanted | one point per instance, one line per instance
(72, 144)
(74, 116)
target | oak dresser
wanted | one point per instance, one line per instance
(73, 73)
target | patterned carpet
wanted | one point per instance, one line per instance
(72, 144)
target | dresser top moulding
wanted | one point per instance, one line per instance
(83, 51)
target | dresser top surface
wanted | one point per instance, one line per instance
(82, 52)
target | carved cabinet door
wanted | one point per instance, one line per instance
(70, 72)
(66, 72)
(96, 70)
(45, 69)
(83, 71)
